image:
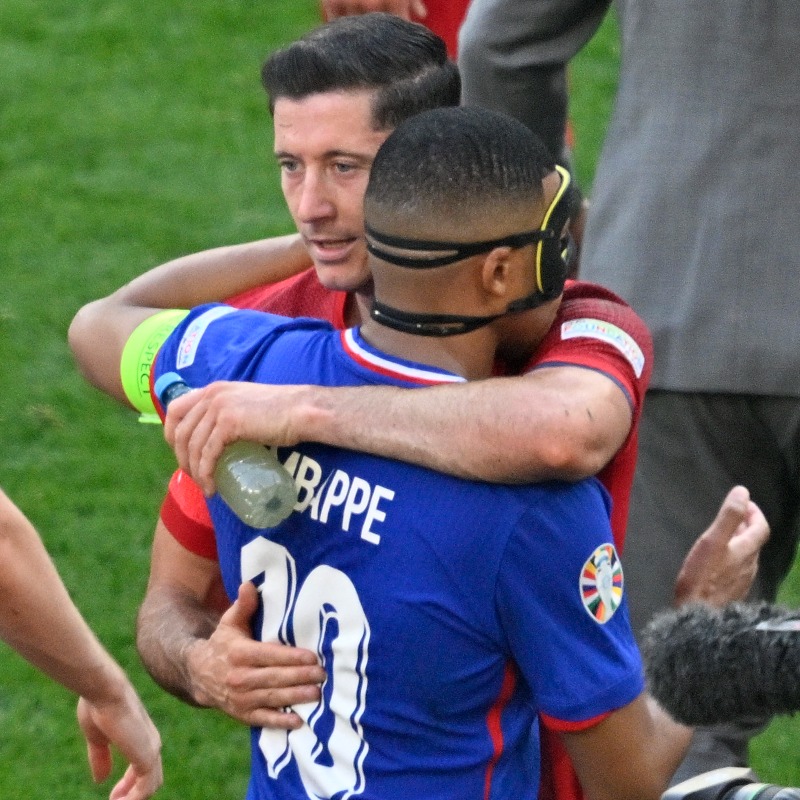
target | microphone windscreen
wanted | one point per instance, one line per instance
(707, 666)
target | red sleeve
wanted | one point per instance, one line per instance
(571, 727)
(444, 19)
(557, 779)
(185, 515)
(597, 330)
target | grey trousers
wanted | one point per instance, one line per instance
(692, 449)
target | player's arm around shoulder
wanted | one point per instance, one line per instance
(97, 336)
(565, 418)
(560, 423)
(101, 328)
(592, 371)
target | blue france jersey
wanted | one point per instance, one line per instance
(446, 612)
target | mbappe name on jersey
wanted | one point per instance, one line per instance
(362, 503)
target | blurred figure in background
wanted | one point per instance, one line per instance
(693, 222)
(443, 17)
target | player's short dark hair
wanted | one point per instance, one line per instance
(403, 62)
(452, 159)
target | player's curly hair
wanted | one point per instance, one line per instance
(403, 62)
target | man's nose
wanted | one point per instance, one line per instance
(315, 200)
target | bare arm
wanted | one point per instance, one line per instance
(631, 755)
(208, 658)
(556, 422)
(40, 621)
(100, 329)
(216, 274)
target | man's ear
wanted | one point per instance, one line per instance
(496, 272)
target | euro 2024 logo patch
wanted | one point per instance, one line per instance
(601, 583)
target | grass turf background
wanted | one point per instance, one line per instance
(131, 134)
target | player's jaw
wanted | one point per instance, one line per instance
(339, 259)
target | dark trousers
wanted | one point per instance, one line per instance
(692, 449)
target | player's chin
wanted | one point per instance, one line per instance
(345, 276)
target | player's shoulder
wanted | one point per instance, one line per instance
(250, 318)
(588, 292)
(557, 498)
(588, 491)
(562, 517)
(583, 300)
(226, 335)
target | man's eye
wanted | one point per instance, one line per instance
(343, 168)
(288, 166)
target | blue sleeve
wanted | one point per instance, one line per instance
(218, 342)
(562, 606)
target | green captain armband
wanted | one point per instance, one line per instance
(138, 356)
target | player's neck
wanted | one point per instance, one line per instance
(470, 355)
(356, 308)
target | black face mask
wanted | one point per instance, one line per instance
(553, 254)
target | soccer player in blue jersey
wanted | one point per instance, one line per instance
(447, 613)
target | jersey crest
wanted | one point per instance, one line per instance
(601, 583)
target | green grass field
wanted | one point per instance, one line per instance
(131, 134)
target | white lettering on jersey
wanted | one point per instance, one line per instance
(360, 501)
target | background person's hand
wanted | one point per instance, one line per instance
(400, 8)
(123, 722)
(722, 564)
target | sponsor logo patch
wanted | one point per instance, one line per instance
(194, 333)
(608, 333)
(601, 583)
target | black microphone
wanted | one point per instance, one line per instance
(707, 666)
(729, 783)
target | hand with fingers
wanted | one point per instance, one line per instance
(722, 564)
(123, 721)
(200, 423)
(254, 682)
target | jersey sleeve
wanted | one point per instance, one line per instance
(562, 607)
(183, 511)
(216, 342)
(595, 329)
(184, 514)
